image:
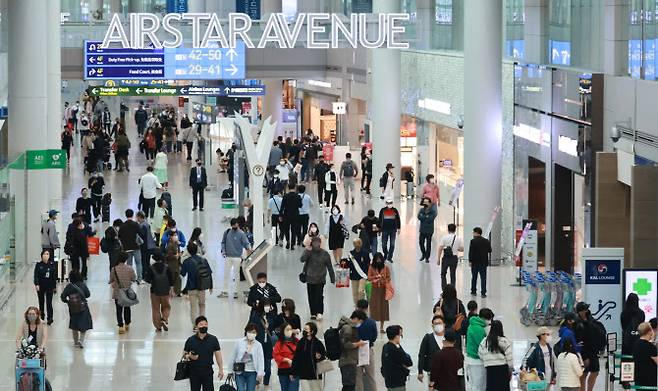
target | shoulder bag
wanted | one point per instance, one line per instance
(390, 291)
(77, 301)
(459, 318)
(323, 367)
(126, 297)
(229, 384)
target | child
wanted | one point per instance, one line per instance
(106, 201)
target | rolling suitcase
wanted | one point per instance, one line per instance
(61, 267)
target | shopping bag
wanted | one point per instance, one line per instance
(390, 291)
(342, 278)
(368, 290)
(93, 245)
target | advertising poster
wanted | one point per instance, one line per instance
(644, 283)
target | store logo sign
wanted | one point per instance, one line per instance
(568, 145)
(435, 105)
(603, 272)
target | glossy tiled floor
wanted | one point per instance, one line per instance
(144, 360)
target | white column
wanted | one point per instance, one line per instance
(273, 103)
(196, 6)
(54, 92)
(116, 7)
(385, 105)
(535, 31)
(27, 96)
(425, 19)
(615, 44)
(482, 115)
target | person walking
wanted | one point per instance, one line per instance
(379, 276)
(173, 260)
(450, 308)
(430, 345)
(290, 205)
(199, 280)
(569, 367)
(147, 245)
(304, 210)
(317, 263)
(198, 183)
(275, 157)
(162, 282)
(474, 368)
(310, 351)
(83, 205)
(160, 167)
(50, 236)
(45, 283)
(430, 191)
(495, 351)
(149, 184)
(75, 295)
(312, 232)
(386, 183)
(446, 363)
(276, 219)
(337, 232)
(288, 316)
(263, 290)
(32, 331)
(645, 357)
(320, 174)
(234, 243)
(426, 217)
(365, 374)
(541, 357)
(395, 361)
(371, 225)
(200, 349)
(150, 145)
(389, 221)
(141, 117)
(123, 150)
(330, 187)
(478, 259)
(76, 246)
(350, 343)
(449, 245)
(247, 361)
(158, 218)
(348, 171)
(591, 336)
(261, 316)
(359, 263)
(122, 277)
(111, 245)
(67, 141)
(96, 186)
(131, 242)
(283, 354)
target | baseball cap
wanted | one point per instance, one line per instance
(543, 330)
(582, 306)
(390, 165)
(52, 213)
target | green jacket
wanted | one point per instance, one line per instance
(475, 334)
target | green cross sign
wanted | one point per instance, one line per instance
(642, 286)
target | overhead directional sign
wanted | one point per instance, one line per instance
(168, 63)
(134, 91)
(224, 90)
(257, 90)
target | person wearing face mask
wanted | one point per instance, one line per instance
(310, 351)
(284, 169)
(274, 207)
(75, 295)
(317, 263)
(32, 330)
(275, 185)
(379, 276)
(76, 246)
(173, 259)
(359, 262)
(446, 363)
(430, 191)
(542, 357)
(45, 283)
(395, 361)
(284, 352)
(200, 350)
(197, 238)
(262, 291)
(96, 185)
(336, 228)
(313, 231)
(248, 362)
(371, 226)
(474, 369)
(319, 174)
(198, 183)
(330, 187)
(83, 205)
(290, 205)
(199, 280)
(431, 343)
(350, 344)
(262, 316)
(234, 243)
(426, 217)
(169, 232)
(389, 221)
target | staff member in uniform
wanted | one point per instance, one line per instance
(198, 183)
(45, 282)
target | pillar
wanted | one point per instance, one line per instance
(54, 95)
(425, 20)
(535, 31)
(27, 101)
(615, 39)
(482, 115)
(115, 7)
(385, 105)
(273, 103)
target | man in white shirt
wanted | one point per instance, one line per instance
(150, 185)
(449, 245)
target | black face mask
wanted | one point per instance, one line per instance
(203, 330)
(305, 334)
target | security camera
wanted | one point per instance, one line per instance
(615, 134)
(460, 121)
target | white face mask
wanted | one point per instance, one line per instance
(487, 329)
(251, 336)
(334, 211)
(262, 284)
(549, 339)
(314, 230)
(438, 328)
(201, 237)
(287, 333)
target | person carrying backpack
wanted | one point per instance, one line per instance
(592, 336)
(162, 283)
(348, 172)
(199, 279)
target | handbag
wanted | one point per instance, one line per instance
(459, 319)
(126, 297)
(302, 275)
(77, 302)
(390, 291)
(238, 367)
(323, 367)
(229, 384)
(346, 232)
(182, 369)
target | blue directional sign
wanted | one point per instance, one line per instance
(223, 90)
(4, 113)
(174, 63)
(249, 7)
(176, 6)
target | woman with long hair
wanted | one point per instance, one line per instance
(335, 229)
(288, 316)
(312, 232)
(32, 330)
(449, 306)
(75, 294)
(379, 275)
(310, 351)
(569, 367)
(196, 238)
(495, 351)
(631, 317)
(284, 352)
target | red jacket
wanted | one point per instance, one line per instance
(284, 350)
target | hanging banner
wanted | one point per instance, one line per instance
(249, 7)
(328, 152)
(494, 216)
(456, 191)
(602, 285)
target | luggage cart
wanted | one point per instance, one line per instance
(30, 374)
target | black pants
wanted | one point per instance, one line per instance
(320, 193)
(201, 378)
(292, 230)
(123, 314)
(197, 196)
(425, 243)
(46, 297)
(146, 264)
(315, 294)
(445, 265)
(189, 150)
(330, 197)
(79, 263)
(303, 228)
(482, 271)
(367, 178)
(96, 205)
(148, 206)
(348, 377)
(150, 154)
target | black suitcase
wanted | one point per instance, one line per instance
(227, 193)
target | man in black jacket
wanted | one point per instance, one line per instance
(198, 183)
(290, 211)
(478, 259)
(262, 290)
(128, 235)
(389, 222)
(395, 361)
(141, 116)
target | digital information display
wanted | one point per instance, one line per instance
(644, 283)
(174, 63)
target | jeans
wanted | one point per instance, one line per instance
(197, 304)
(452, 265)
(315, 294)
(425, 243)
(123, 314)
(288, 384)
(388, 237)
(373, 245)
(482, 271)
(475, 374)
(348, 187)
(201, 378)
(46, 298)
(231, 274)
(148, 207)
(137, 256)
(246, 381)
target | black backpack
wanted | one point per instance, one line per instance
(160, 282)
(557, 348)
(383, 180)
(203, 275)
(332, 343)
(599, 335)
